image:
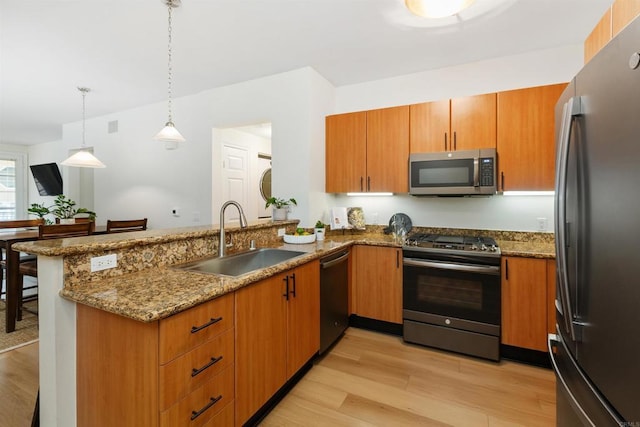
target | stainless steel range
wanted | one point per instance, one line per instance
(451, 293)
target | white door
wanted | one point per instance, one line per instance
(235, 177)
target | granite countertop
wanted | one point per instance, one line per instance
(527, 249)
(154, 294)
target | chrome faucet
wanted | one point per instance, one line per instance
(243, 223)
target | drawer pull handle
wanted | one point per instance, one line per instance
(213, 321)
(212, 401)
(213, 361)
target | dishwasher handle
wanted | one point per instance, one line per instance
(334, 261)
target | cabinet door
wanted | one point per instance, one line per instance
(260, 344)
(378, 275)
(599, 37)
(622, 13)
(388, 150)
(303, 316)
(429, 127)
(346, 152)
(526, 138)
(524, 302)
(473, 122)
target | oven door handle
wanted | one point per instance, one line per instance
(482, 269)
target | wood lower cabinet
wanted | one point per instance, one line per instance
(377, 282)
(178, 371)
(367, 151)
(277, 332)
(524, 302)
(463, 123)
(526, 138)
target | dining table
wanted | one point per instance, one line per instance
(12, 269)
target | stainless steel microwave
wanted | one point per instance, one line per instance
(455, 173)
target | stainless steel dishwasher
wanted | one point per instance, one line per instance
(334, 294)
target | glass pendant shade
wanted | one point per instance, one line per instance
(169, 133)
(437, 8)
(83, 159)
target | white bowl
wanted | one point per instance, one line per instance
(291, 238)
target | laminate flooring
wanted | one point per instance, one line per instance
(373, 379)
(18, 385)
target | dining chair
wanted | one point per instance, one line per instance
(18, 224)
(126, 225)
(83, 219)
(45, 232)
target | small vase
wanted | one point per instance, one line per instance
(67, 220)
(319, 233)
(280, 214)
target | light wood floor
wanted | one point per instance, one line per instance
(18, 385)
(371, 379)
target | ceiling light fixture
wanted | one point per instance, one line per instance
(437, 8)
(83, 158)
(169, 134)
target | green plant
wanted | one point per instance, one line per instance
(320, 224)
(62, 207)
(280, 203)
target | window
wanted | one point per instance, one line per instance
(12, 186)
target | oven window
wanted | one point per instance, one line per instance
(452, 293)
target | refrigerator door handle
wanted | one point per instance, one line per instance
(571, 109)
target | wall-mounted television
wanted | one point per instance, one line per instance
(48, 179)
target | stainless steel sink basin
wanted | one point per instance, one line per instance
(242, 263)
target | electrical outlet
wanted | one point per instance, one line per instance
(542, 224)
(281, 232)
(175, 211)
(104, 262)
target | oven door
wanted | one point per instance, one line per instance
(467, 294)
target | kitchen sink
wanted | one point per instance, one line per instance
(242, 263)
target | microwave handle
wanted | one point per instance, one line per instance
(476, 172)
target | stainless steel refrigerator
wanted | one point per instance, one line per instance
(596, 351)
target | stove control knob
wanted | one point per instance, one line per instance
(483, 247)
(474, 247)
(493, 248)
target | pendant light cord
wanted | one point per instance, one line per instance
(169, 70)
(84, 91)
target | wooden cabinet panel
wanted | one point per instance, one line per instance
(473, 122)
(524, 303)
(429, 126)
(261, 343)
(190, 328)
(303, 338)
(378, 283)
(526, 138)
(599, 37)
(346, 152)
(202, 404)
(190, 371)
(551, 296)
(622, 13)
(388, 149)
(116, 369)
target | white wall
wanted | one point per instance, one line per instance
(496, 212)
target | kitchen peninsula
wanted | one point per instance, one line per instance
(144, 289)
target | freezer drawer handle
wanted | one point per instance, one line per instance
(213, 321)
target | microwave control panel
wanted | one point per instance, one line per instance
(487, 172)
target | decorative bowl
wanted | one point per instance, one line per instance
(291, 238)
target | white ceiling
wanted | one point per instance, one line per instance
(118, 48)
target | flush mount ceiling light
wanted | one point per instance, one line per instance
(83, 158)
(169, 134)
(437, 8)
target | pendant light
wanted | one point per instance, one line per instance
(437, 8)
(83, 158)
(169, 133)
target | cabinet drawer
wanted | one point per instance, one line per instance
(190, 328)
(199, 407)
(189, 371)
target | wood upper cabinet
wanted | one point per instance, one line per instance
(368, 151)
(457, 124)
(524, 303)
(526, 138)
(277, 331)
(131, 373)
(378, 283)
(622, 13)
(599, 37)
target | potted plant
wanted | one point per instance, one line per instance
(63, 208)
(319, 230)
(280, 207)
